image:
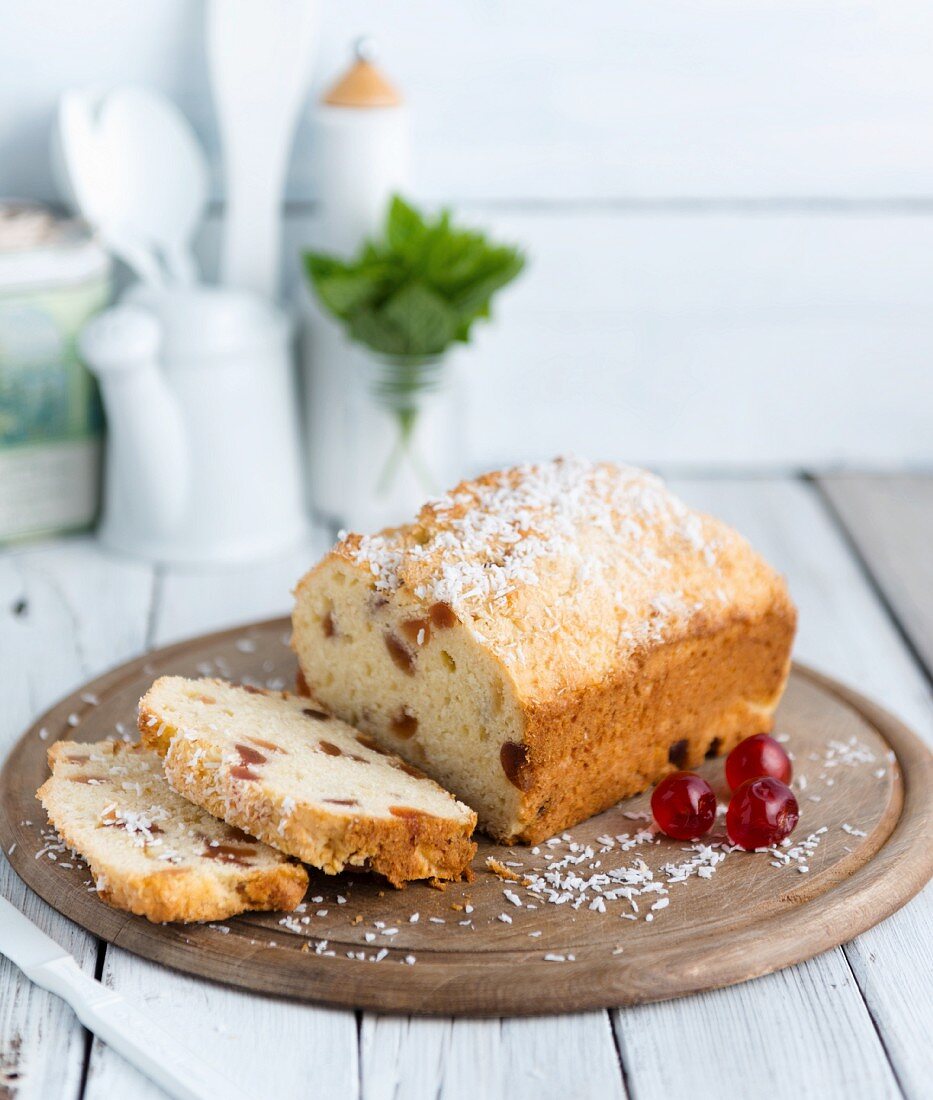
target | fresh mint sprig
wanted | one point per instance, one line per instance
(419, 288)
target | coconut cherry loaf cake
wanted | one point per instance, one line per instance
(279, 767)
(150, 851)
(546, 640)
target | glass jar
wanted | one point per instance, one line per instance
(404, 440)
(53, 278)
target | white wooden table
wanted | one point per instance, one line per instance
(855, 1022)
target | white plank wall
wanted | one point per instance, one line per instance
(783, 339)
(551, 100)
(728, 207)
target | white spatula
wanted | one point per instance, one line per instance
(259, 54)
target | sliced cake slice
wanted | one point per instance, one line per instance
(279, 767)
(152, 852)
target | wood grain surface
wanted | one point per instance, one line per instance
(747, 919)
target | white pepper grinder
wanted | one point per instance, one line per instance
(362, 143)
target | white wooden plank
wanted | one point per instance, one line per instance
(702, 340)
(196, 601)
(270, 1046)
(544, 1058)
(66, 613)
(843, 631)
(797, 1034)
(891, 521)
(596, 100)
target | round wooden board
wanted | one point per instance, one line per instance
(861, 776)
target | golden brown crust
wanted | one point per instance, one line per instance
(179, 895)
(564, 571)
(681, 702)
(414, 846)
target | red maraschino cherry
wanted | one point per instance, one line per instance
(757, 756)
(761, 813)
(684, 806)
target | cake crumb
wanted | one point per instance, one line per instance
(501, 870)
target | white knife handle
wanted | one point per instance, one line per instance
(134, 1035)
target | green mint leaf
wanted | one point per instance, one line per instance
(344, 294)
(405, 228)
(369, 327)
(416, 289)
(426, 321)
(474, 296)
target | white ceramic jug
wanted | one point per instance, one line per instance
(203, 455)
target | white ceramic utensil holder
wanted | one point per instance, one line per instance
(203, 455)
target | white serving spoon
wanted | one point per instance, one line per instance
(86, 168)
(260, 55)
(159, 175)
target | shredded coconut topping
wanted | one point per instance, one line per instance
(492, 532)
(137, 823)
(580, 534)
